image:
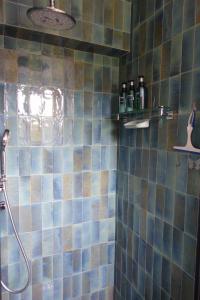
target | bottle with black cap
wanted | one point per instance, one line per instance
(122, 98)
(141, 94)
(131, 97)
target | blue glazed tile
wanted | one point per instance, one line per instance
(187, 50)
(77, 211)
(24, 190)
(94, 279)
(76, 286)
(58, 289)
(12, 161)
(13, 253)
(86, 259)
(151, 198)
(12, 125)
(78, 132)
(177, 251)
(77, 261)
(181, 173)
(177, 13)
(189, 254)
(191, 215)
(189, 14)
(2, 91)
(48, 291)
(11, 97)
(37, 271)
(166, 275)
(170, 172)
(24, 162)
(77, 236)
(96, 132)
(87, 132)
(47, 160)
(104, 231)
(97, 105)
(36, 244)
(106, 105)
(78, 159)
(86, 210)
(96, 158)
(67, 264)
(67, 288)
(57, 214)
(78, 185)
(197, 47)
(47, 269)
(69, 103)
(24, 131)
(169, 204)
(57, 266)
(141, 281)
(57, 240)
(68, 132)
(67, 213)
(67, 159)
(13, 190)
(47, 242)
(167, 240)
(57, 187)
(36, 217)
(47, 215)
(57, 160)
(95, 232)
(36, 160)
(47, 188)
(158, 234)
(78, 104)
(161, 166)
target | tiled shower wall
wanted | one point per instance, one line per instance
(100, 22)
(61, 167)
(158, 188)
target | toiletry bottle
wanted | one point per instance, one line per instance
(122, 98)
(141, 95)
(131, 97)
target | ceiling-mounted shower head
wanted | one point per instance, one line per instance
(51, 17)
(5, 137)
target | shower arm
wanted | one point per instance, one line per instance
(52, 3)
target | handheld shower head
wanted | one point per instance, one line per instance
(5, 137)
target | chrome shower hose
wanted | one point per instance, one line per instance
(20, 246)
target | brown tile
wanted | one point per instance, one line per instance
(88, 9)
(87, 184)
(68, 64)
(67, 238)
(109, 13)
(87, 31)
(67, 186)
(165, 60)
(79, 75)
(104, 182)
(37, 291)
(197, 11)
(95, 256)
(10, 66)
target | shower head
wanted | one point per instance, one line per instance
(5, 137)
(51, 17)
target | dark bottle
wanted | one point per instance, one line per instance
(122, 98)
(131, 97)
(141, 94)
